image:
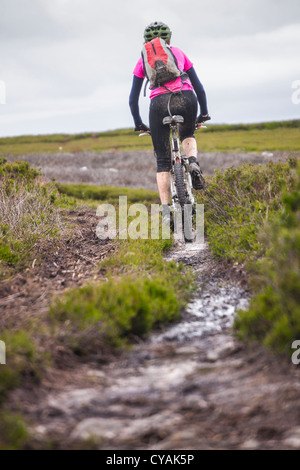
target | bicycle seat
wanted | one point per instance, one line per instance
(176, 119)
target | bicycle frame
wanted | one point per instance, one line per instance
(176, 156)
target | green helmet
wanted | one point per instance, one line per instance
(157, 30)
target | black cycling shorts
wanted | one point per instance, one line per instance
(184, 104)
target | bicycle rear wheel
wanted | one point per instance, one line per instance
(180, 183)
(185, 205)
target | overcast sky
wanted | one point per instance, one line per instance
(67, 64)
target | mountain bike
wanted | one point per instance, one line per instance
(183, 200)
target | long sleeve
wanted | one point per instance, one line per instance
(134, 99)
(199, 90)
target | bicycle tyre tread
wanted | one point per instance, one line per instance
(180, 184)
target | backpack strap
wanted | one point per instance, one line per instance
(183, 76)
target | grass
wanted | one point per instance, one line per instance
(142, 292)
(122, 139)
(252, 140)
(109, 194)
(23, 359)
(13, 432)
(281, 135)
(252, 217)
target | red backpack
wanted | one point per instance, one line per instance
(160, 64)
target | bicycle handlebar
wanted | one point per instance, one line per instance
(198, 125)
(142, 134)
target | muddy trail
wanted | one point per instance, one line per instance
(191, 385)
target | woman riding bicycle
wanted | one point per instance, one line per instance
(181, 98)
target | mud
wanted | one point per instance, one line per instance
(188, 386)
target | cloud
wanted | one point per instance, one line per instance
(68, 64)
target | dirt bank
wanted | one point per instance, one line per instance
(66, 262)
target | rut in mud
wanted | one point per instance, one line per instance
(189, 386)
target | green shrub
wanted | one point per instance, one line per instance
(143, 291)
(273, 317)
(17, 170)
(239, 202)
(28, 213)
(13, 432)
(7, 255)
(109, 312)
(22, 360)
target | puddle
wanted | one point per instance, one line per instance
(214, 306)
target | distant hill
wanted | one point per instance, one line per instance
(277, 135)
